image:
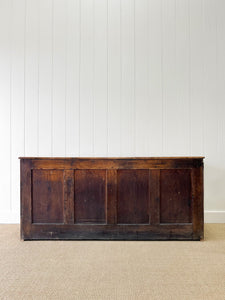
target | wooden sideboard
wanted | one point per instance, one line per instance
(158, 198)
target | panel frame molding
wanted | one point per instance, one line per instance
(111, 229)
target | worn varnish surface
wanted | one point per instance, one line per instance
(132, 196)
(175, 196)
(112, 198)
(47, 196)
(90, 196)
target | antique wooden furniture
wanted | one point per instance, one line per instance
(158, 198)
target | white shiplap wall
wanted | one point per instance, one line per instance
(112, 78)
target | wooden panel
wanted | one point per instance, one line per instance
(111, 196)
(117, 202)
(154, 194)
(175, 196)
(198, 203)
(68, 196)
(90, 196)
(116, 163)
(25, 194)
(133, 196)
(47, 196)
(110, 232)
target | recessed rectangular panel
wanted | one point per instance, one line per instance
(112, 198)
(47, 196)
(175, 196)
(133, 197)
(90, 196)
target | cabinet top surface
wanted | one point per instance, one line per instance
(118, 158)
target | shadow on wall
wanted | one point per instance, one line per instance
(214, 187)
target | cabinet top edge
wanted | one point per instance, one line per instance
(116, 158)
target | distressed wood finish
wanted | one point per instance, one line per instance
(47, 196)
(112, 198)
(90, 196)
(132, 196)
(175, 196)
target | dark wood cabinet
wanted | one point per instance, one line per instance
(112, 198)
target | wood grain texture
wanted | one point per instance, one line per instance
(47, 196)
(198, 202)
(25, 196)
(154, 195)
(116, 163)
(110, 232)
(133, 196)
(90, 198)
(175, 196)
(68, 196)
(111, 196)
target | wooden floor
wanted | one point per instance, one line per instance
(104, 270)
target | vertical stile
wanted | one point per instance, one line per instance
(111, 196)
(154, 193)
(197, 202)
(69, 196)
(26, 198)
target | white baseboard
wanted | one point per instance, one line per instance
(214, 216)
(7, 217)
(210, 216)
